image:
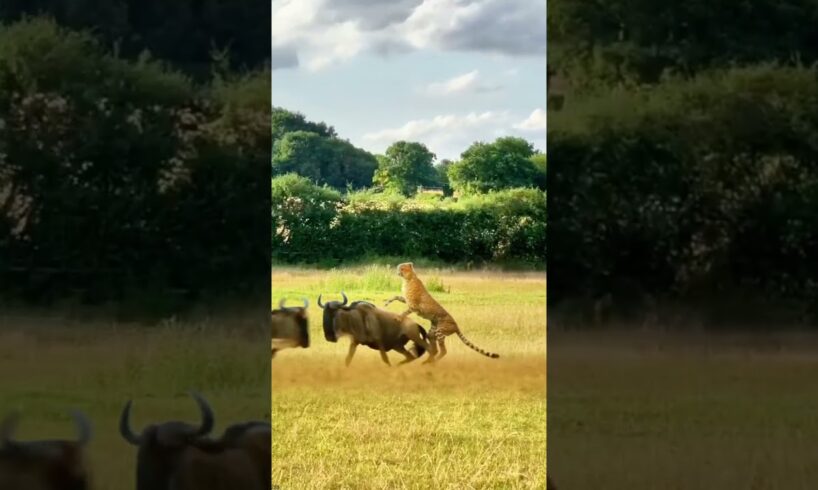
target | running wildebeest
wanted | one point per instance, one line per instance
(378, 329)
(179, 456)
(54, 464)
(290, 327)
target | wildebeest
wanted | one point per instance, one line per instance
(368, 325)
(290, 327)
(177, 455)
(46, 464)
(254, 437)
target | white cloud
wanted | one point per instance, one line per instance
(460, 83)
(420, 128)
(329, 31)
(445, 135)
(537, 121)
(509, 27)
(468, 82)
(318, 43)
(449, 135)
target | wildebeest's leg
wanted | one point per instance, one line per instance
(352, 346)
(384, 356)
(396, 298)
(406, 353)
(420, 341)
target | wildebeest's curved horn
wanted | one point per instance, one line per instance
(345, 299)
(125, 426)
(7, 428)
(319, 301)
(207, 414)
(83, 427)
(281, 303)
(306, 302)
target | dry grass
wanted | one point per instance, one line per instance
(631, 410)
(50, 366)
(469, 422)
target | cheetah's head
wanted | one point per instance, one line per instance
(406, 270)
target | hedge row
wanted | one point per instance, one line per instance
(314, 224)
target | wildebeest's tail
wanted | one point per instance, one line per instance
(478, 349)
(418, 349)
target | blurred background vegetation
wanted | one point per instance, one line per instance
(687, 145)
(134, 152)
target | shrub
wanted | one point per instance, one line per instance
(700, 186)
(495, 227)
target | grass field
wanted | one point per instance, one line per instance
(50, 366)
(467, 423)
(630, 410)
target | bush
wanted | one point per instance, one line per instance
(697, 188)
(119, 176)
(315, 225)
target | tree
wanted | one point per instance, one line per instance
(540, 162)
(442, 169)
(406, 166)
(504, 164)
(284, 121)
(324, 160)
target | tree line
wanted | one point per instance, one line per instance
(333, 202)
(314, 150)
(686, 155)
(125, 177)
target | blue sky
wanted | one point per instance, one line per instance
(442, 72)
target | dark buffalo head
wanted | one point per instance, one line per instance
(298, 314)
(331, 308)
(45, 464)
(160, 445)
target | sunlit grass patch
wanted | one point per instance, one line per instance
(469, 422)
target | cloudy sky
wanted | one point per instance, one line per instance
(442, 72)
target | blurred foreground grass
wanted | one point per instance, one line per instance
(50, 366)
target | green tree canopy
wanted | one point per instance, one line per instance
(442, 169)
(325, 160)
(503, 164)
(541, 164)
(284, 121)
(405, 166)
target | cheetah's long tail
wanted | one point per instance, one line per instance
(478, 349)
